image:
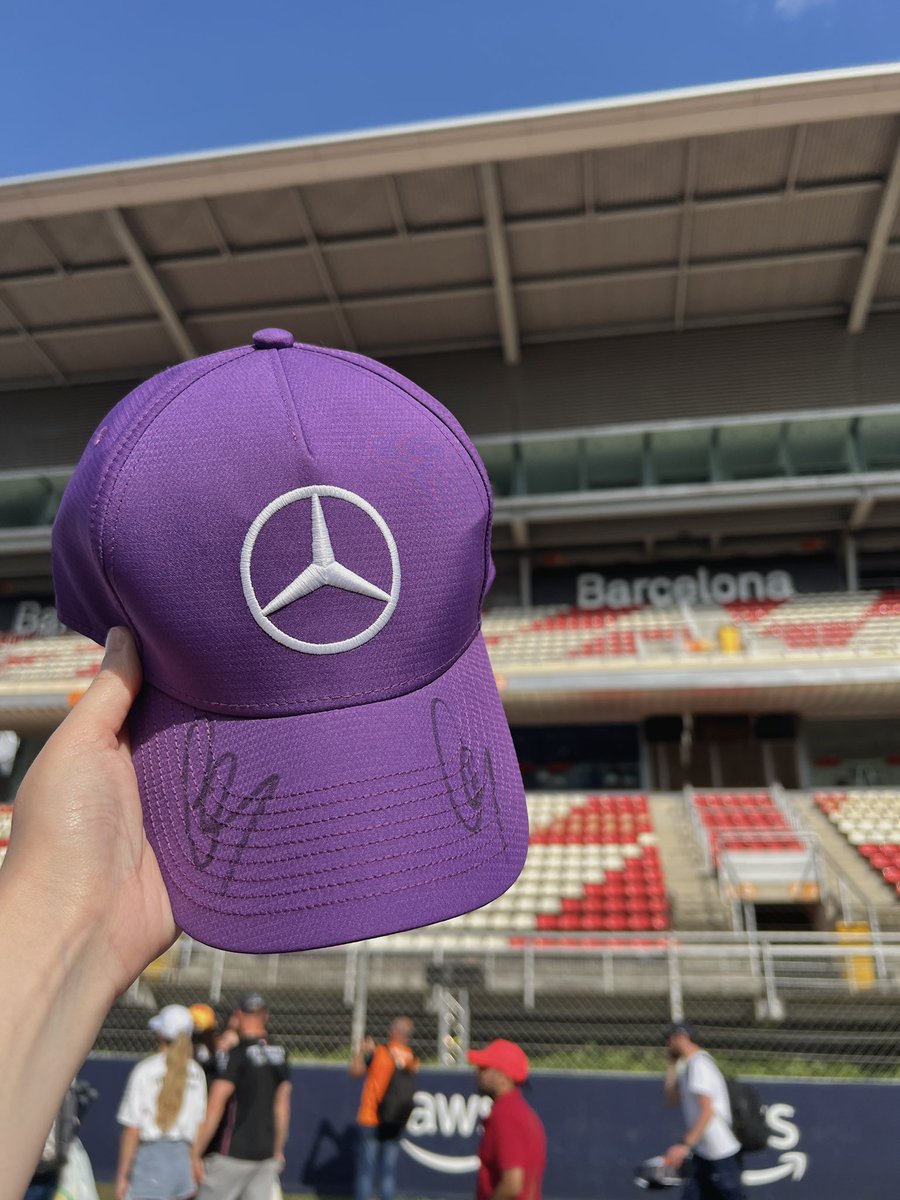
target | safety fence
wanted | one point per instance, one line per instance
(799, 1004)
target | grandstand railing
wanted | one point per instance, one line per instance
(673, 963)
(839, 895)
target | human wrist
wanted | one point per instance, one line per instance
(75, 958)
(54, 981)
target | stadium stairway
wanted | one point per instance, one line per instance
(849, 862)
(694, 892)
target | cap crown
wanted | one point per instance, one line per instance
(285, 530)
(505, 1056)
(172, 1021)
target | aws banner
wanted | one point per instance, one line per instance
(827, 1141)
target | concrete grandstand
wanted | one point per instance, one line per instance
(671, 324)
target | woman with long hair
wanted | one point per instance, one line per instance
(161, 1110)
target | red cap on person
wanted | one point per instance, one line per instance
(503, 1056)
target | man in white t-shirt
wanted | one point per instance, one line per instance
(694, 1081)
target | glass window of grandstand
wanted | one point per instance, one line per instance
(29, 501)
(853, 753)
(553, 465)
(614, 462)
(879, 442)
(500, 462)
(578, 757)
(725, 750)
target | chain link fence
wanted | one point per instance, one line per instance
(785, 1004)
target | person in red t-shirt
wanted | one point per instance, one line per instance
(513, 1150)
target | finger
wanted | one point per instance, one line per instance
(106, 703)
(124, 746)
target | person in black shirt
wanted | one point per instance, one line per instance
(239, 1150)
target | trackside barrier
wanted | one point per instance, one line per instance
(827, 1140)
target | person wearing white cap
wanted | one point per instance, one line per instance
(161, 1110)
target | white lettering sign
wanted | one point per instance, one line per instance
(595, 591)
(445, 1116)
(33, 619)
(785, 1136)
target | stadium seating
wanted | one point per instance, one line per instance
(843, 625)
(70, 659)
(526, 636)
(593, 868)
(752, 821)
(870, 821)
(852, 625)
(754, 843)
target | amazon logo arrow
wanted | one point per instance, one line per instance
(449, 1164)
(791, 1165)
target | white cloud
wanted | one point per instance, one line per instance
(791, 9)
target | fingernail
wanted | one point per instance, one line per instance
(115, 640)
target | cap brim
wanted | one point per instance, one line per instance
(291, 833)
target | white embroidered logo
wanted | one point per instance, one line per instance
(323, 571)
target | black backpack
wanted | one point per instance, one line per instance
(748, 1116)
(398, 1101)
(55, 1154)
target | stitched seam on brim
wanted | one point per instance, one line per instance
(337, 903)
(281, 825)
(349, 783)
(220, 907)
(180, 827)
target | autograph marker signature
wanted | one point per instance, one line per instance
(207, 815)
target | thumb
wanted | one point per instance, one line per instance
(106, 703)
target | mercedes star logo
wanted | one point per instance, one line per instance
(323, 572)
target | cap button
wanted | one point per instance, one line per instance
(272, 339)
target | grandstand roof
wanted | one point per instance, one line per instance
(754, 202)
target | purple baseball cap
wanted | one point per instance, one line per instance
(299, 539)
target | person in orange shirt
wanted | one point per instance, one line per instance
(378, 1131)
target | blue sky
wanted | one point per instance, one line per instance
(98, 82)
